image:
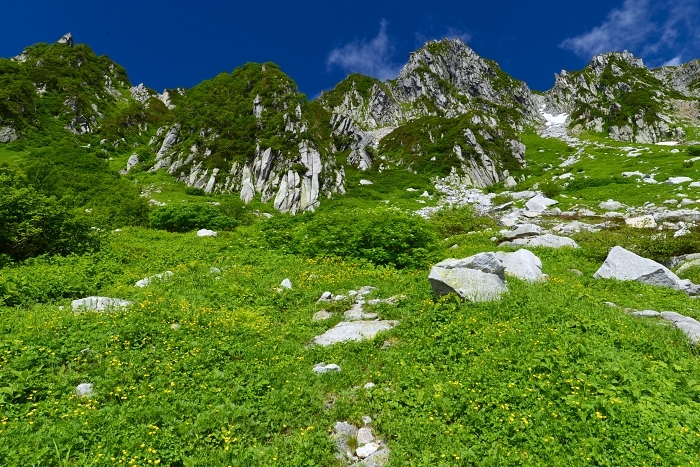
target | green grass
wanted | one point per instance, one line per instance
(547, 376)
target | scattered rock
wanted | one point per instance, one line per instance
(540, 203)
(367, 450)
(366, 182)
(322, 315)
(214, 271)
(364, 436)
(84, 390)
(369, 385)
(286, 284)
(8, 134)
(146, 281)
(99, 304)
(206, 233)
(678, 180)
(353, 331)
(357, 313)
(646, 314)
(627, 266)
(610, 205)
(321, 368)
(690, 264)
(642, 222)
(175, 326)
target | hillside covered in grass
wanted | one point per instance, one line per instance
(265, 261)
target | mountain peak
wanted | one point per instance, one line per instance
(66, 39)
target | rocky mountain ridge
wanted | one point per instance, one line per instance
(450, 114)
(616, 94)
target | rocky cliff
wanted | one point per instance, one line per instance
(445, 81)
(251, 133)
(617, 95)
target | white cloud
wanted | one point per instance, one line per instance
(658, 31)
(624, 28)
(373, 57)
(675, 61)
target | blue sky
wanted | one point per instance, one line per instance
(179, 43)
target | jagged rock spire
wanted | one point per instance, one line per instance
(66, 39)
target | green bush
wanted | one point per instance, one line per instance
(658, 246)
(384, 237)
(455, 221)
(185, 218)
(581, 183)
(33, 224)
(550, 189)
(694, 151)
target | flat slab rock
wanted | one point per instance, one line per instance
(353, 331)
(547, 241)
(99, 304)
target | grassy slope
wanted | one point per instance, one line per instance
(547, 376)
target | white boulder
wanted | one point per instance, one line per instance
(206, 233)
(522, 264)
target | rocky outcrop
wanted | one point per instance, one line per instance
(617, 95)
(66, 39)
(683, 78)
(8, 134)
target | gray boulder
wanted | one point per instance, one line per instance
(522, 264)
(206, 233)
(98, 304)
(485, 262)
(477, 279)
(84, 390)
(321, 368)
(627, 266)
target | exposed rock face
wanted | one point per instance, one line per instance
(8, 134)
(293, 172)
(684, 78)
(66, 39)
(617, 95)
(625, 265)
